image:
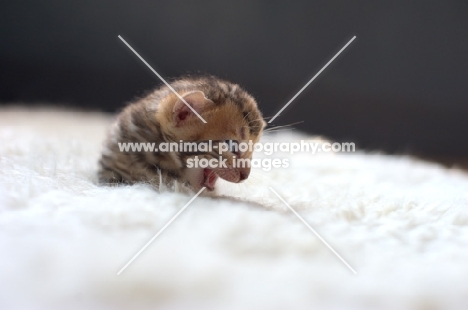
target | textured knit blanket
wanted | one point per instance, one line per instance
(400, 223)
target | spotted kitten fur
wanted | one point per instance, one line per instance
(230, 112)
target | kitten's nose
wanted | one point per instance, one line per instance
(244, 174)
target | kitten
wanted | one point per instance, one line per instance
(231, 115)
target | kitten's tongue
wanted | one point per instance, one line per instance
(209, 178)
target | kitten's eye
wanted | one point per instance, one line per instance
(233, 146)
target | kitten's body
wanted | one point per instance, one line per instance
(230, 113)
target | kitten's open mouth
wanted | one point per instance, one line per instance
(209, 178)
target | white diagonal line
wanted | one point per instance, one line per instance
(311, 80)
(313, 230)
(162, 229)
(162, 79)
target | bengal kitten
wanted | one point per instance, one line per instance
(231, 115)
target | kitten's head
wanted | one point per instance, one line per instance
(231, 116)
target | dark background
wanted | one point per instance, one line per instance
(401, 86)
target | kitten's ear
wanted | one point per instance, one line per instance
(196, 99)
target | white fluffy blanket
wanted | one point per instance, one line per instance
(400, 222)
